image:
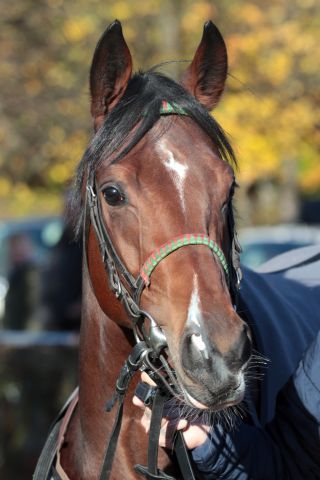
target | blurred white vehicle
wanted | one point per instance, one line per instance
(259, 244)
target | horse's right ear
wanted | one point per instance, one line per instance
(110, 72)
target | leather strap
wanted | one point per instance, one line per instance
(63, 429)
(154, 434)
(151, 472)
(180, 449)
(44, 468)
(46, 459)
(131, 365)
(110, 451)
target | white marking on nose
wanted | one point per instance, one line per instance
(194, 317)
(178, 172)
(198, 341)
(194, 312)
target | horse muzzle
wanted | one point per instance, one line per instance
(210, 378)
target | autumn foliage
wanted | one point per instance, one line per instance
(270, 108)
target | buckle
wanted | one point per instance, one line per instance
(92, 197)
(145, 393)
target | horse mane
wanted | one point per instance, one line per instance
(140, 107)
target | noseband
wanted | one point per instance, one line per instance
(173, 245)
(150, 339)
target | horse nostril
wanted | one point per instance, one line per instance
(194, 351)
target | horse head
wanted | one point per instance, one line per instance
(160, 171)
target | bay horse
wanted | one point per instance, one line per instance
(154, 188)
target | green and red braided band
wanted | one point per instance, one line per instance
(171, 109)
(173, 245)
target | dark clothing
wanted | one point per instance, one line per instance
(62, 281)
(22, 297)
(284, 316)
(283, 439)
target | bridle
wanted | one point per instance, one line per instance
(125, 287)
(150, 339)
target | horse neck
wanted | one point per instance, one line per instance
(104, 346)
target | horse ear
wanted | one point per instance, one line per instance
(205, 78)
(110, 72)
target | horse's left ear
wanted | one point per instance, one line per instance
(110, 72)
(206, 76)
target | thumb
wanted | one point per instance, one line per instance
(182, 424)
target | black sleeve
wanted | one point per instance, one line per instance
(296, 425)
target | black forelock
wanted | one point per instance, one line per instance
(140, 106)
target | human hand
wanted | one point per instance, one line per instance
(194, 432)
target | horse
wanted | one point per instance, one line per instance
(153, 200)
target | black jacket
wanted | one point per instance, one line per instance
(283, 439)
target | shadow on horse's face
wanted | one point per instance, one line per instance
(172, 186)
(172, 182)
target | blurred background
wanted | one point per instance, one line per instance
(270, 111)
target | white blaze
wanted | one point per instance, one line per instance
(198, 342)
(194, 316)
(194, 312)
(177, 170)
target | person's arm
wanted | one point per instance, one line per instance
(244, 453)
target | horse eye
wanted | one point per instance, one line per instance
(113, 196)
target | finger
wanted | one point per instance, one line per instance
(145, 378)
(182, 424)
(138, 403)
(195, 435)
(167, 433)
(146, 420)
